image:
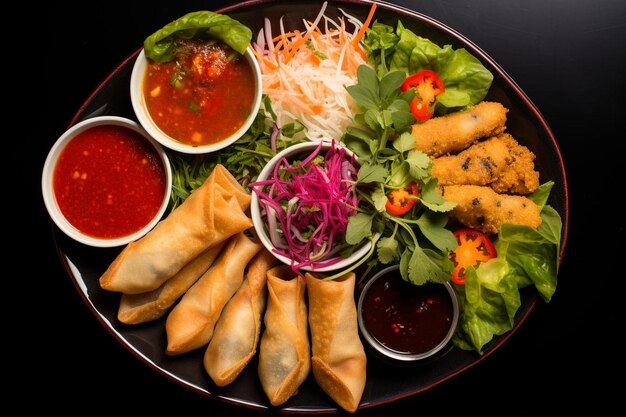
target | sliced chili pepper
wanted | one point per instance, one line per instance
(428, 86)
(402, 200)
(474, 247)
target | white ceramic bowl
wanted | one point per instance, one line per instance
(141, 110)
(48, 191)
(261, 228)
(389, 354)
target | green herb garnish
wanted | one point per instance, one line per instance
(419, 239)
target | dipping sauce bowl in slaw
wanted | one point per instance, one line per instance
(308, 189)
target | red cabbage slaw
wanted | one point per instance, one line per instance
(306, 205)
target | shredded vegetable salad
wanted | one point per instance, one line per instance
(306, 205)
(305, 73)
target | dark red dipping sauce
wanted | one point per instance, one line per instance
(404, 317)
(109, 182)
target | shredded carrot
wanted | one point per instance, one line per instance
(361, 32)
(305, 72)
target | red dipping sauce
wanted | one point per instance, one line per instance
(404, 317)
(109, 182)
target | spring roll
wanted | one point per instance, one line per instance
(238, 329)
(191, 323)
(284, 357)
(210, 215)
(151, 305)
(454, 132)
(338, 360)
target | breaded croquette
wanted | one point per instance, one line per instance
(480, 164)
(481, 208)
(454, 132)
(520, 176)
(500, 162)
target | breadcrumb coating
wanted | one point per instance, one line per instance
(481, 208)
(454, 132)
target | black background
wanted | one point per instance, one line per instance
(565, 54)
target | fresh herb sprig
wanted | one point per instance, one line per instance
(385, 147)
(244, 159)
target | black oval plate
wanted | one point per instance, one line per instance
(384, 383)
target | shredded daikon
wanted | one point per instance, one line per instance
(305, 73)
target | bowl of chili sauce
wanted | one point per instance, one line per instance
(403, 322)
(106, 182)
(203, 100)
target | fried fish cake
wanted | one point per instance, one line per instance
(481, 208)
(500, 162)
(520, 176)
(480, 164)
(456, 131)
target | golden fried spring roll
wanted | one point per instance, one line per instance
(284, 357)
(338, 359)
(483, 209)
(238, 329)
(191, 323)
(210, 215)
(143, 307)
(454, 132)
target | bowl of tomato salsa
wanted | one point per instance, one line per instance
(106, 182)
(201, 101)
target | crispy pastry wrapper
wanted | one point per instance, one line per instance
(338, 360)
(210, 215)
(191, 323)
(151, 305)
(237, 331)
(284, 357)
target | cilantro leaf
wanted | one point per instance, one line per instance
(405, 142)
(419, 164)
(432, 225)
(425, 266)
(371, 173)
(379, 198)
(359, 228)
(433, 200)
(388, 250)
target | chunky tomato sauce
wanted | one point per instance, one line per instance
(109, 182)
(201, 97)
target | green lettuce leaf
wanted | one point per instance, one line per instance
(160, 46)
(490, 297)
(466, 80)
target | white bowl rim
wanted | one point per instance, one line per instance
(48, 173)
(257, 219)
(401, 357)
(142, 114)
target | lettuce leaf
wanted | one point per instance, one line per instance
(466, 80)
(160, 46)
(490, 297)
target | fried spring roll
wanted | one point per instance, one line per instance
(143, 307)
(238, 329)
(454, 132)
(191, 323)
(483, 209)
(210, 215)
(338, 360)
(284, 357)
